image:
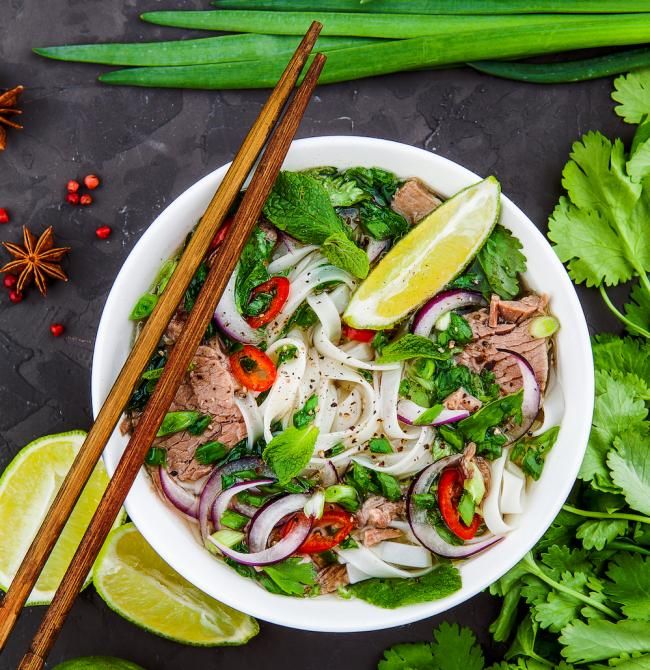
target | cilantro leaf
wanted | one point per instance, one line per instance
(638, 165)
(630, 584)
(562, 559)
(341, 251)
(413, 656)
(502, 261)
(524, 642)
(616, 411)
(455, 648)
(638, 309)
(381, 222)
(623, 354)
(288, 453)
(598, 639)
(629, 463)
(293, 575)
(597, 534)
(342, 192)
(391, 593)
(633, 92)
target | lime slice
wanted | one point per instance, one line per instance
(135, 582)
(428, 258)
(27, 488)
(97, 663)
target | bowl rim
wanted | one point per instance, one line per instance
(318, 614)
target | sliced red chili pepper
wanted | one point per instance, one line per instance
(450, 489)
(279, 288)
(252, 368)
(221, 233)
(358, 334)
(327, 532)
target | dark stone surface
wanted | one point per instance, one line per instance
(150, 145)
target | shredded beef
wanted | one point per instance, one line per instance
(377, 512)
(413, 200)
(332, 577)
(461, 399)
(373, 536)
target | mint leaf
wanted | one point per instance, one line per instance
(289, 452)
(341, 251)
(299, 205)
(630, 466)
(630, 584)
(633, 92)
(293, 575)
(598, 639)
(392, 593)
(502, 262)
(251, 269)
(411, 346)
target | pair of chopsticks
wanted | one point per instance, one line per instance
(223, 265)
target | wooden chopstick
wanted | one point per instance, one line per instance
(174, 371)
(60, 510)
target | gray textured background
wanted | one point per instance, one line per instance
(148, 146)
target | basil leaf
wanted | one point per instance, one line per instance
(251, 272)
(289, 452)
(382, 223)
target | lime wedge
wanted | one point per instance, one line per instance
(137, 584)
(27, 488)
(427, 258)
(97, 663)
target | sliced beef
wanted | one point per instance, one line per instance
(377, 512)
(373, 536)
(208, 388)
(461, 399)
(483, 352)
(413, 200)
(174, 328)
(331, 577)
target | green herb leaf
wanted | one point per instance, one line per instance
(251, 272)
(598, 639)
(342, 192)
(529, 452)
(143, 307)
(380, 445)
(629, 463)
(637, 309)
(293, 576)
(502, 262)
(597, 534)
(633, 92)
(195, 286)
(377, 183)
(381, 222)
(307, 413)
(341, 251)
(299, 205)
(287, 352)
(411, 346)
(392, 593)
(428, 416)
(200, 425)
(630, 584)
(289, 452)
(459, 331)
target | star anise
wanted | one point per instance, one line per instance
(36, 259)
(8, 102)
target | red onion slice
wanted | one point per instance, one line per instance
(329, 474)
(375, 248)
(442, 303)
(222, 501)
(424, 531)
(213, 487)
(278, 552)
(408, 412)
(181, 498)
(230, 321)
(532, 396)
(270, 515)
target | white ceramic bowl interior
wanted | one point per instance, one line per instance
(570, 396)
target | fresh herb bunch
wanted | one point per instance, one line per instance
(600, 228)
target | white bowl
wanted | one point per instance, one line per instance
(172, 537)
